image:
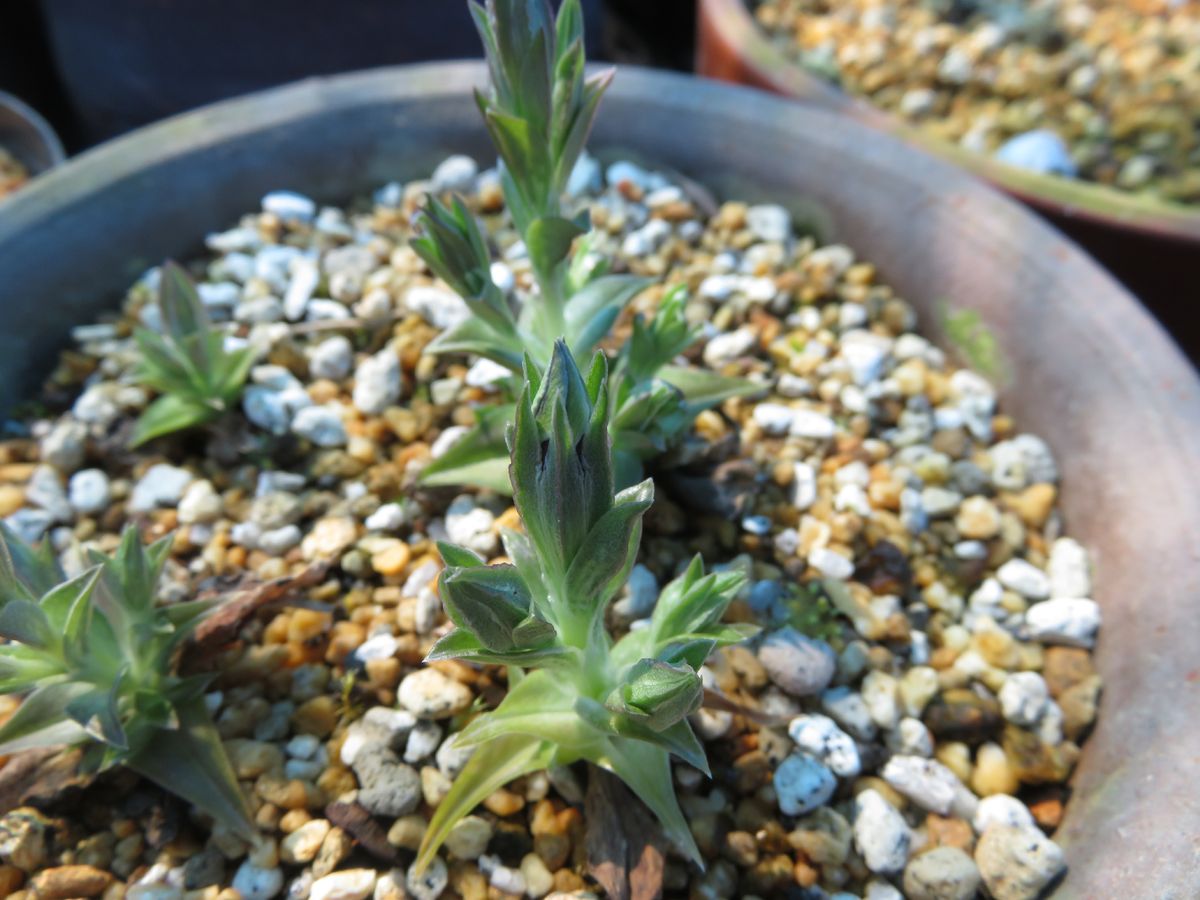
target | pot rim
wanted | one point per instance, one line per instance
(40, 127)
(1156, 392)
(1087, 201)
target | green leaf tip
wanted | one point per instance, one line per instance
(187, 363)
(95, 657)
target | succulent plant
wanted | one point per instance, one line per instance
(197, 378)
(539, 111)
(622, 706)
(95, 659)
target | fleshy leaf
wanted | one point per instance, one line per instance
(190, 761)
(492, 602)
(659, 693)
(704, 389)
(491, 767)
(591, 313)
(168, 414)
(646, 769)
(41, 719)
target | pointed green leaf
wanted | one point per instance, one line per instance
(704, 389)
(479, 457)
(549, 241)
(184, 316)
(64, 605)
(23, 668)
(97, 712)
(646, 769)
(26, 572)
(461, 644)
(597, 574)
(475, 336)
(459, 557)
(26, 623)
(540, 706)
(492, 602)
(190, 762)
(168, 414)
(490, 768)
(591, 313)
(41, 719)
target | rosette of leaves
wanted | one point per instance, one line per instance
(653, 404)
(539, 110)
(622, 706)
(95, 659)
(196, 377)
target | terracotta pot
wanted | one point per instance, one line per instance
(27, 136)
(1151, 246)
(1089, 369)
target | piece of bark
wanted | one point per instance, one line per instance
(41, 778)
(354, 819)
(222, 625)
(625, 846)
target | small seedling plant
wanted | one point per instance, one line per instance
(187, 364)
(539, 111)
(95, 659)
(574, 694)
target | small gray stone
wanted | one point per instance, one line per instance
(203, 869)
(451, 758)
(289, 206)
(438, 307)
(455, 173)
(769, 222)
(801, 665)
(880, 833)
(1069, 570)
(387, 787)
(944, 873)
(89, 491)
(255, 883)
(470, 525)
(279, 541)
(850, 711)
(378, 382)
(725, 348)
(429, 694)
(1041, 150)
(200, 503)
(820, 736)
(430, 883)
(1073, 622)
(931, 786)
(65, 446)
(333, 358)
(322, 425)
(390, 517)
(1001, 809)
(939, 502)
(802, 784)
(1025, 578)
(45, 490)
(349, 884)
(423, 741)
(1023, 698)
(162, 485)
(1017, 863)
(469, 838)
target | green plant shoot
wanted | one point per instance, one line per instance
(94, 657)
(622, 706)
(196, 377)
(539, 110)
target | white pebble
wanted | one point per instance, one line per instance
(830, 563)
(725, 348)
(455, 173)
(1025, 578)
(808, 423)
(320, 424)
(89, 491)
(1069, 570)
(820, 737)
(880, 833)
(333, 358)
(378, 382)
(930, 785)
(1001, 809)
(1069, 621)
(254, 883)
(289, 206)
(1023, 698)
(162, 485)
(349, 884)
